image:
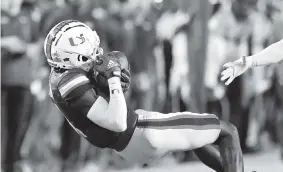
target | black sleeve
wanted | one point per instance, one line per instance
(77, 91)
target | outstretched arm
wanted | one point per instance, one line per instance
(270, 55)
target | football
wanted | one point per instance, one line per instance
(123, 61)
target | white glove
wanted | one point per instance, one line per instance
(234, 69)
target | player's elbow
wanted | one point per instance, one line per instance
(119, 126)
(120, 121)
(113, 125)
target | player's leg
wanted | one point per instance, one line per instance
(183, 131)
(187, 131)
(210, 156)
(230, 149)
(157, 134)
(179, 131)
(142, 151)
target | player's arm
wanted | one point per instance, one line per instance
(107, 66)
(78, 92)
(270, 55)
(114, 112)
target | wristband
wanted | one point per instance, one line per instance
(115, 85)
(248, 62)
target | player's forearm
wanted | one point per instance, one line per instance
(117, 107)
(270, 55)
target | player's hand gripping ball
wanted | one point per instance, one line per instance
(119, 66)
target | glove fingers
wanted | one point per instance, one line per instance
(123, 84)
(125, 77)
(227, 65)
(126, 71)
(108, 66)
(227, 71)
(224, 77)
(229, 80)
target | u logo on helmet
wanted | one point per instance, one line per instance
(81, 39)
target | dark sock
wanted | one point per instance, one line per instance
(210, 156)
(230, 149)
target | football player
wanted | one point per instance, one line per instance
(88, 88)
(271, 55)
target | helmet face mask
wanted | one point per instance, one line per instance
(72, 44)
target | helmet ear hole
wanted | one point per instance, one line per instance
(84, 58)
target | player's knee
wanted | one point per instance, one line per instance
(228, 129)
(232, 129)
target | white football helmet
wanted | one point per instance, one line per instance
(72, 44)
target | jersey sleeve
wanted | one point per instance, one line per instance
(76, 89)
(79, 96)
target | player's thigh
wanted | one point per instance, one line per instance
(179, 131)
(139, 150)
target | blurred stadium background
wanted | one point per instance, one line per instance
(176, 49)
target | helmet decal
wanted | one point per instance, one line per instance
(81, 39)
(52, 35)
